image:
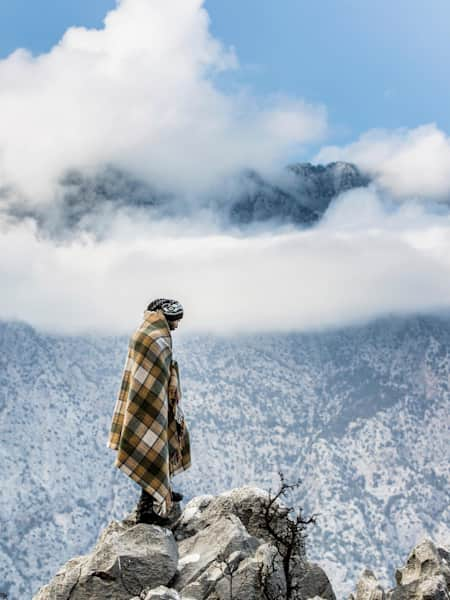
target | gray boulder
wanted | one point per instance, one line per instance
(432, 588)
(255, 563)
(223, 536)
(241, 577)
(424, 561)
(314, 582)
(125, 561)
(425, 576)
(368, 588)
(248, 503)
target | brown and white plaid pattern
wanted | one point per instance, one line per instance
(143, 429)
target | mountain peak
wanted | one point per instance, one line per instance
(242, 544)
(237, 545)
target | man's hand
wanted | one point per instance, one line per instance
(173, 393)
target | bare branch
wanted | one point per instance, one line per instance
(287, 527)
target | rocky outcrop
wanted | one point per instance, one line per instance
(368, 587)
(228, 547)
(125, 560)
(219, 548)
(425, 576)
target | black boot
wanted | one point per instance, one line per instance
(145, 512)
(176, 496)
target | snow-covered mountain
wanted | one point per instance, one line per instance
(300, 194)
(360, 414)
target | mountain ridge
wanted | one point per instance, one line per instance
(378, 472)
(300, 194)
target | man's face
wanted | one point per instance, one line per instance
(174, 324)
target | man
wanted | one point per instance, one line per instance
(148, 428)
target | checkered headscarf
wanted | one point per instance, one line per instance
(172, 309)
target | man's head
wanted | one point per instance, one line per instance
(172, 310)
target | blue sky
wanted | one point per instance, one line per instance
(382, 64)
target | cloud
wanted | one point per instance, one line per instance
(369, 257)
(141, 93)
(405, 162)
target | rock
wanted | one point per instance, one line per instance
(315, 583)
(162, 593)
(263, 571)
(241, 578)
(220, 547)
(433, 588)
(239, 514)
(368, 588)
(247, 503)
(223, 536)
(124, 562)
(205, 586)
(190, 520)
(424, 561)
(425, 576)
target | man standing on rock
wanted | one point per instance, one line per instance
(148, 428)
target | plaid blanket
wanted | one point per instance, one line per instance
(148, 429)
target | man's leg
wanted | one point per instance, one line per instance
(145, 512)
(144, 509)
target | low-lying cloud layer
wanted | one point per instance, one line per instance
(366, 259)
(141, 93)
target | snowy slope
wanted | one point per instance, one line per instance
(361, 415)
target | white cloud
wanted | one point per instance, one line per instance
(366, 259)
(139, 93)
(406, 162)
(142, 93)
